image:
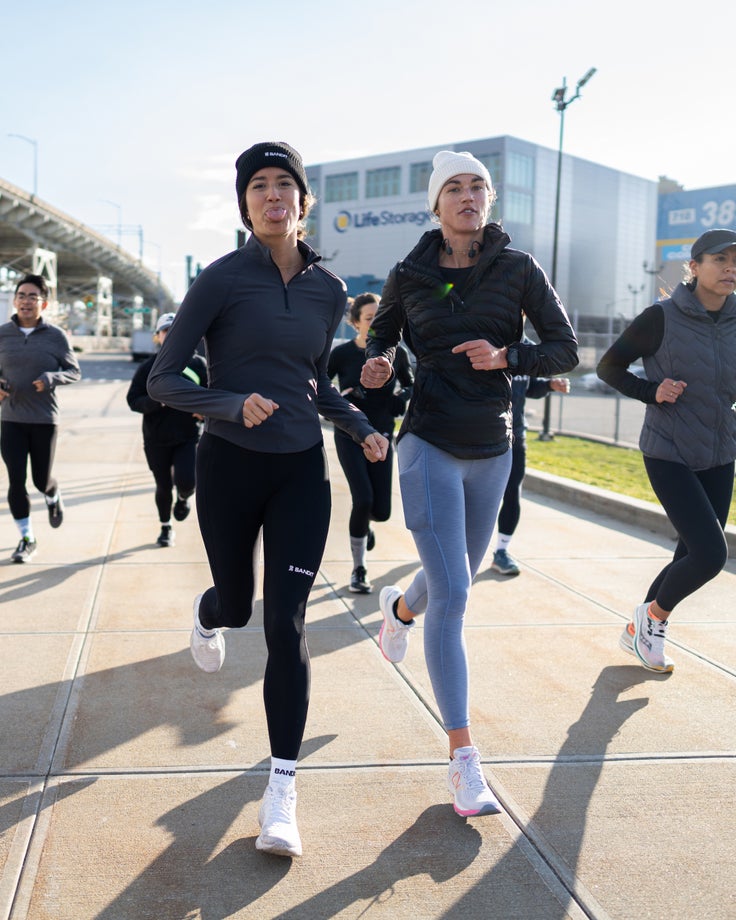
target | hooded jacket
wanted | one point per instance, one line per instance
(464, 411)
(44, 354)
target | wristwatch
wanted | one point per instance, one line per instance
(512, 357)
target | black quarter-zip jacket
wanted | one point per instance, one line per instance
(261, 336)
(464, 411)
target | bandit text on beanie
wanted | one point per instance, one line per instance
(270, 153)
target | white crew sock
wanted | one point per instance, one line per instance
(282, 771)
(25, 528)
(503, 540)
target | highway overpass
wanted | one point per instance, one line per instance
(94, 282)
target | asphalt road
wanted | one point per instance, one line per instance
(106, 366)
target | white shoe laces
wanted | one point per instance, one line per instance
(472, 774)
(280, 804)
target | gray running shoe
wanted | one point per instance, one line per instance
(359, 583)
(504, 564)
(25, 549)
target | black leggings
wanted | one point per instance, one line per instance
(18, 442)
(508, 516)
(171, 465)
(370, 484)
(697, 505)
(240, 492)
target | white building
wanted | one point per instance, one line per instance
(372, 210)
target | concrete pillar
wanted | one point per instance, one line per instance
(43, 263)
(103, 302)
(138, 321)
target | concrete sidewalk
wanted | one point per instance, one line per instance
(130, 781)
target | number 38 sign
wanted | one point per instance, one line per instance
(683, 216)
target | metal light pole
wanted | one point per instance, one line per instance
(34, 144)
(634, 291)
(558, 97)
(653, 272)
(120, 218)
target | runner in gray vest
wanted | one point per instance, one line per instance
(688, 344)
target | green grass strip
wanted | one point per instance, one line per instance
(618, 469)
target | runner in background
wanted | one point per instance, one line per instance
(35, 359)
(508, 517)
(169, 438)
(370, 483)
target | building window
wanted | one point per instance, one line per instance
(520, 170)
(343, 187)
(492, 162)
(419, 174)
(379, 183)
(518, 207)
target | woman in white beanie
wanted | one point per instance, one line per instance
(459, 298)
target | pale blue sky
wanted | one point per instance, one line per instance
(149, 103)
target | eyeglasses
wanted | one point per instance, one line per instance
(31, 298)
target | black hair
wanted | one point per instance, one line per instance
(38, 280)
(360, 301)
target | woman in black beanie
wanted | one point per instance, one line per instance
(268, 313)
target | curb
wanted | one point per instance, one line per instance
(627, 510)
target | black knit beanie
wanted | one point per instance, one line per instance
(269, 153)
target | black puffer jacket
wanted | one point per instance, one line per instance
(464, 411)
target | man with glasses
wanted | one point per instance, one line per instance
(35, 358)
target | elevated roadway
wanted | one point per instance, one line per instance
(78, 263)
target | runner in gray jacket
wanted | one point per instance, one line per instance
(35, 358)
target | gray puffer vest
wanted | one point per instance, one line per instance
(698, 430)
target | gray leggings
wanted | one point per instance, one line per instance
(450, 507)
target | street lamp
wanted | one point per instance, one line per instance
(34, 144)
(558, 97)
(652, 272)
(634, 291)
(120, 218)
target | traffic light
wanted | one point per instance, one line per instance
(89, 302)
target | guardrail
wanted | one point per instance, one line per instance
(607, 417)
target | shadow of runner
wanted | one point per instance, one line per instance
(437, 845)
(185, 881)
(557, 828)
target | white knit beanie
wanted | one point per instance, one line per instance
(449, 163)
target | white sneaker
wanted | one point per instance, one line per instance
(208, 651)
(277, 818)
(393, 639)
(468, 786)
(648, 641)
